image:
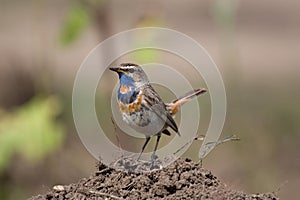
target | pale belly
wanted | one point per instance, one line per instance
(145, 122)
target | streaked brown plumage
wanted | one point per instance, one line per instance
(141, 106)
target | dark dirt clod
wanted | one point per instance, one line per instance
(183, 179)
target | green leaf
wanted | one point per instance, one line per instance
(146, 55)
(76, 21)
(31, 131)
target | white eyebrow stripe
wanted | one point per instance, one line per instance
(127, 67)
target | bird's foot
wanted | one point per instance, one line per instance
(139, 157)
(154, 157)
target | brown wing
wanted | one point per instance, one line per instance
(152, 99)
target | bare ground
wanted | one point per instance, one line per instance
(183, 179)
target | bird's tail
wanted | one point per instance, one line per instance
(174, 106)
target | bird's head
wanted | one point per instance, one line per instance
(129, 72)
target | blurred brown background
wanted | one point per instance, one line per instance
(255, 44)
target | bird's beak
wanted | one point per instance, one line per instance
(115, 69)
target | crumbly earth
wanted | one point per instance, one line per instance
(183, 179)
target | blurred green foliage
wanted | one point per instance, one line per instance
(80, 16)
(146, 55)
(30, 131)
(224, 13)
(76, 21)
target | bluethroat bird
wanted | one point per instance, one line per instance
(142, 108)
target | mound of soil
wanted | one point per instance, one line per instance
(183, 179)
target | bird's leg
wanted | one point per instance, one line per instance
(153, 157)
(144, 146)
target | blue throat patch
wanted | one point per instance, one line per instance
(130, 96)
(125, 80)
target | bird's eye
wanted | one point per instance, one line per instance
(131, 70)
(128, 70)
